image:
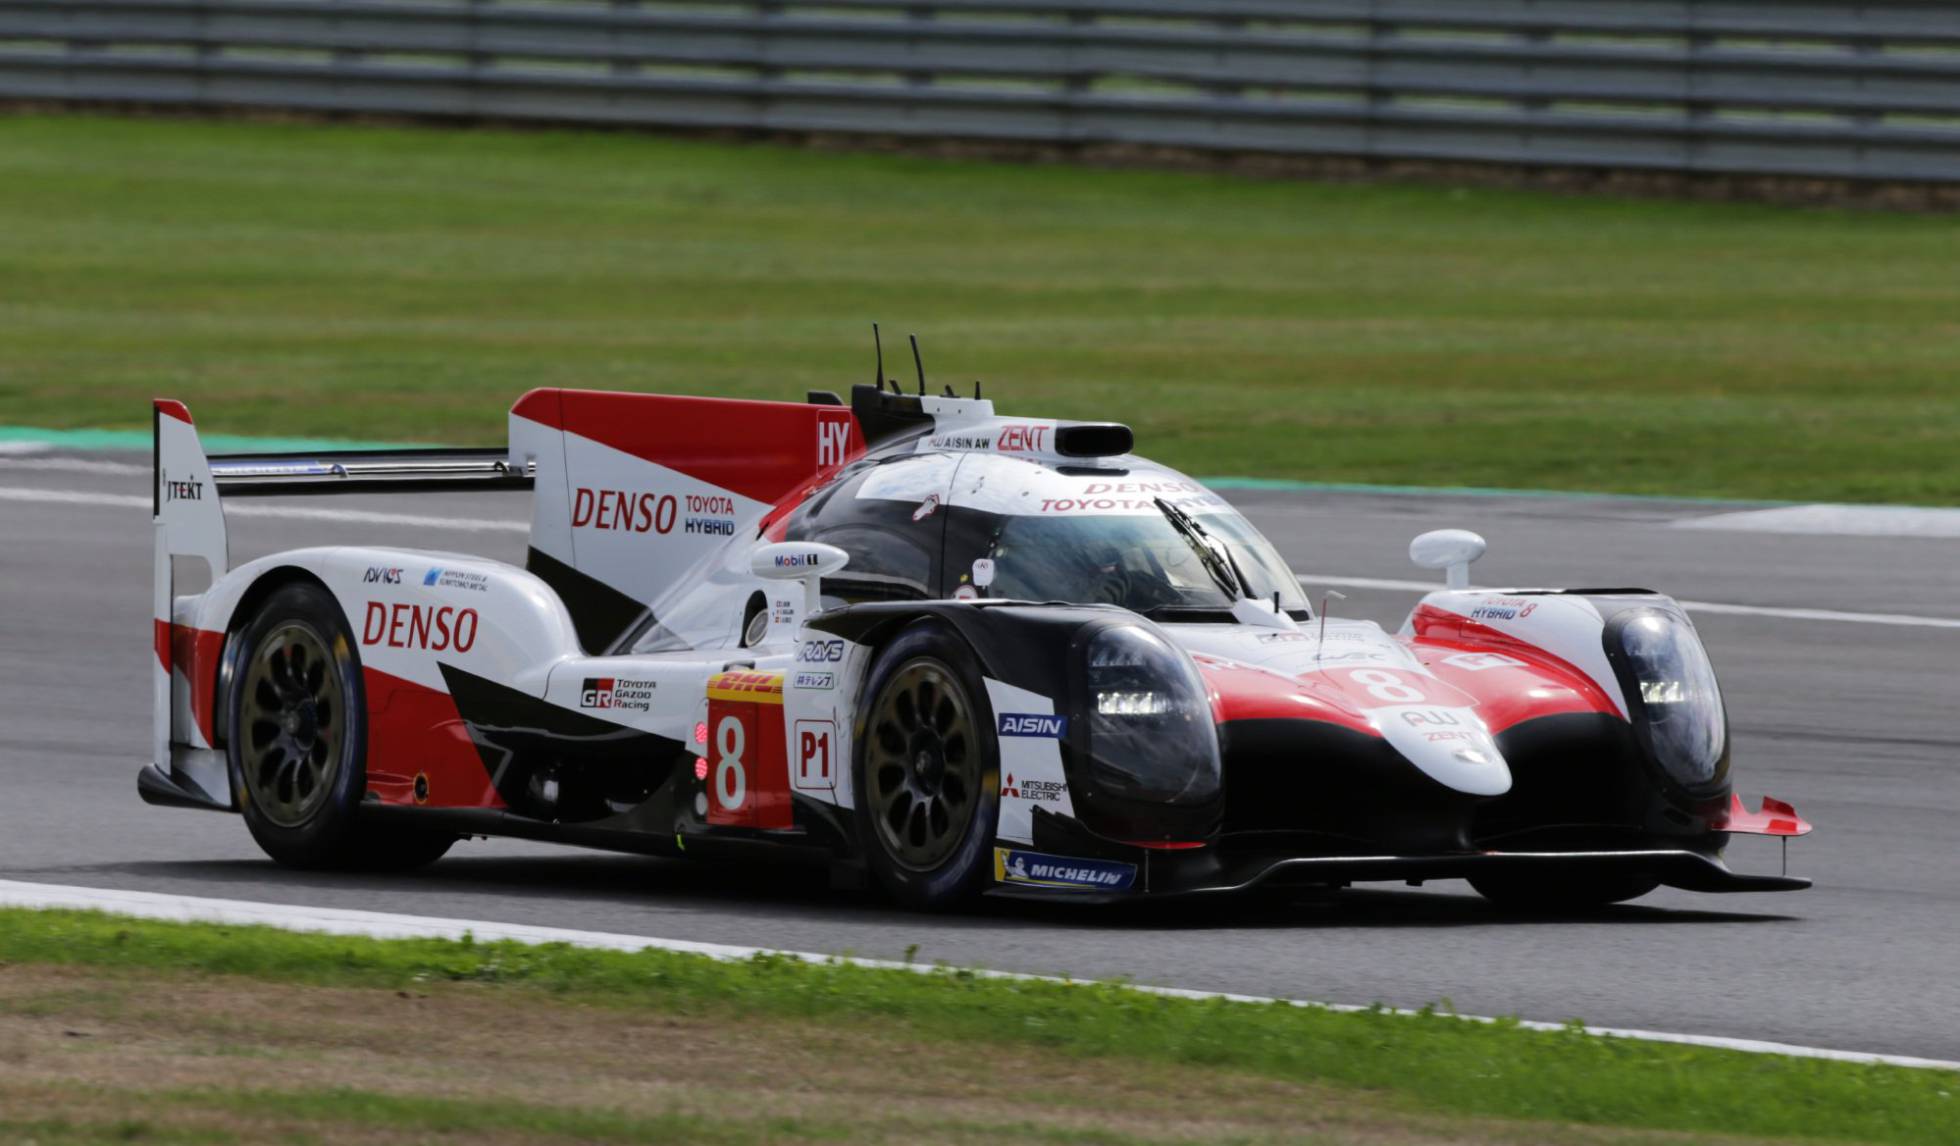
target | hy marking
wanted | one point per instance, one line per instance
(385, 925)
(1711, 607)
(291, 513)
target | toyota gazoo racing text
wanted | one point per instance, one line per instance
(937, 649)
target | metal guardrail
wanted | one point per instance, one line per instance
(1784, 87)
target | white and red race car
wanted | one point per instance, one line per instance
(944, 650)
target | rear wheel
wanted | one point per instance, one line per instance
(928, 771)
(1561, 892)
(297, 741)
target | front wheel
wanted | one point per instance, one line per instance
(297, 741)
(1548, 891)
(927, 770)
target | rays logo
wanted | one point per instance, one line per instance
(1033, 724)
(820, 652)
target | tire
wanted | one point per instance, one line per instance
(296, 739)
(928, 790)
(1556, 892)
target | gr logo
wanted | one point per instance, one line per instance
(596, 692)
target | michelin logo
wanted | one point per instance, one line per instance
(1036, 869)
(1033, 724)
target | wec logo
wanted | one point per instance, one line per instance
(1033, 724)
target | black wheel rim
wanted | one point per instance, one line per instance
(922, 764)
(292, 724)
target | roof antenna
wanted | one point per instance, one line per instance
(976, 389)
(1321, 648)
(949, 391)
(878, 375)
(920, 363)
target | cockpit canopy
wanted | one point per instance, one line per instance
(916, 524)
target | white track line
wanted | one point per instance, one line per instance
(1712, 607)
(479, 525)
(288, 512)
(384, 925)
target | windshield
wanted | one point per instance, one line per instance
(1139, 562)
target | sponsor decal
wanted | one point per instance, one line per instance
(1503, 609)
(1021, 439)
(381, 575)
(960, 442)
(456, 579)
(709, 515)
(1417, 718)
(820, 652)
(966, 593)
(438, 629)
(1478, 662)
(1190, 503)
(1038, 869)
(797, 560)
(927, 508)
(181, 489)
(814, 680)
(616, 692)
(1278, 635)
(624, 510)
(1040, 791)
(747, 687)
(1033, 724)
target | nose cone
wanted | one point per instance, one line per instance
(1449, 745)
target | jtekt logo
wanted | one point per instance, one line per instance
(181, 489)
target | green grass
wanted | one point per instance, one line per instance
(1433, 1063)
(389, 283)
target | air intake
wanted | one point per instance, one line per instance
(1094, 440)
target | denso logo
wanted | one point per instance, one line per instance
(443, 628)
(820, 652)
(381, 575)
(1033, 724)
(624, 510)
(1020, 439)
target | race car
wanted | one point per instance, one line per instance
(942, 651)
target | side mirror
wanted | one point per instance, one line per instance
(1451, 549)
(806, 561)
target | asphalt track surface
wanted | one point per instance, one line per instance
(1854, 723)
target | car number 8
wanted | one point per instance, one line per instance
(1385, 685)
(731, 783)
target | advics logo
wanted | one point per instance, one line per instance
(1033, 724)
(381, 575)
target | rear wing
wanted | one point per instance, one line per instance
(189, 523)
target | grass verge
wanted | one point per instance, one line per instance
(1415, 1067)
(387, 283)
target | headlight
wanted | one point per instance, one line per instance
(1671, 690)
(1151, 735)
